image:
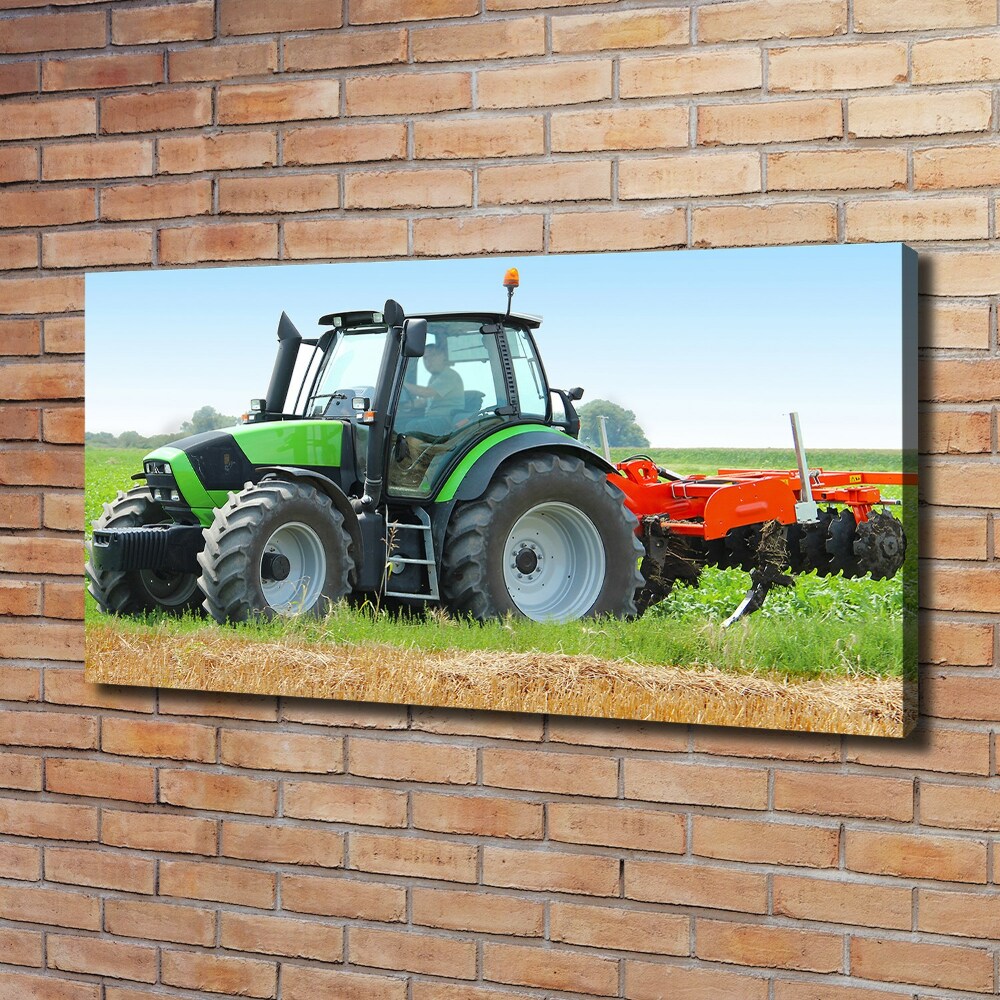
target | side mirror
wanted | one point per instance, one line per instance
(575, 393)
(414, 338)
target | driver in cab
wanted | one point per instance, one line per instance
(436, 403)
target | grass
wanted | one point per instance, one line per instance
(822, 628)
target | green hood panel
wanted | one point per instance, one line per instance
(291, 442)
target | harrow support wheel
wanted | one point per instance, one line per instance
(880, 546)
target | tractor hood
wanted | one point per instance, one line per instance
(206, 468)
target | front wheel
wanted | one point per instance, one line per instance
(551, 540)
(277, 548)
(138, 590)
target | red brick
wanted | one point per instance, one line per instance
(20, 683)
(64, 335)
(765, 843)
(540, 85)
(939, 218)
(454, 237)
(19, 78)
(360, 236)
(226, 151)
(42, 467)
(550, 968)
(933, 749)
(619, 128)
(816, 793)
(470, 138)
(620, 929)
(282, 751)
(63, 425)
(768, 947)
(30, 987)
(480, 41)
(223, 62)
(156, 201)
(218, 792)
(412, 761)
(282, 936)
(692, 784)
(962, 273)
(47, 208)
(341, 803)
(338, 51)
(37, 906)
(18, 250)
(955, 433)
(646, 981)
(907, 15)
(160, 922)
(966, 914)
(485, 817)
(962, 807)
(770, 226)
(227, 706)
(712, 72)
(696, 884)
(69, 161)
(408, 189)
(282, 844)
(21, 772)
(89, 248)
(419, 857)
(100, 779)
(19, 509)
(836, 67)
(102, 869)
(838, 169)
(68, 687)
(686, 175)
(550, 871)
(839, 902)
(543, 771)
(157, 831)
(42, 641)
(156, 111)
(919, 114)
(18, 163)
(408, 94)
(215, 974)
(954, 536)
(617, 230)
(222, 241)
(345, 143)
(769, 121)
(478, 911)
(19, 947)
(137, 69)
(305, 983)
(49, 32)
(278, 102)
(922, 963)
(625, 30)
(41, 295)
(266, 195)
(217, 882)
(178, 22)
(959, 643)
(252, 17)
(753, 19)
(463, 722)
(175, 740)
(19, 423)
(413, 952)
(47, 729)
(340, 897)
(942, 167)
(909, 855)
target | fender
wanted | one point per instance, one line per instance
(337, 496)
(477, 479)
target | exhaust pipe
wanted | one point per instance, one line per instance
(289, 340)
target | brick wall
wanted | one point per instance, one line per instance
(162, 844)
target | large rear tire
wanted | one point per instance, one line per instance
(276, 548)
(551, 540)
(125, 592)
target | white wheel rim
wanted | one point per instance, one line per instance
(306, 556)
(554, 562)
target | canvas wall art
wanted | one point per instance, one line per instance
(664, 486)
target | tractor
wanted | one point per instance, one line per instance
(426, 460)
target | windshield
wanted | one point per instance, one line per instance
(351, 369)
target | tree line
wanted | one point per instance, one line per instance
(206, 418)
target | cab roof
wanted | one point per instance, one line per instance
(360, 318)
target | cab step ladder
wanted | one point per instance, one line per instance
(396, 563)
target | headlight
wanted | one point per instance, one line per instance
(157, 468)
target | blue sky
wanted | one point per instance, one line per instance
(708, 347)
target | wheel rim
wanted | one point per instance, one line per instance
(554, 562)
(302, 587)
(169, 589)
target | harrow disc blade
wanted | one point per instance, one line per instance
(880, 546)
(840, 540)
(812, 544)
(741, 547)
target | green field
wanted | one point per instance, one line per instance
(819, 627)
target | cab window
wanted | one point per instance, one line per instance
(531, 393)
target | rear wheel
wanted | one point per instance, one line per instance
(276, 548)
(550, 540)
(138, 590)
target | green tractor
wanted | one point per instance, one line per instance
(425, 460)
